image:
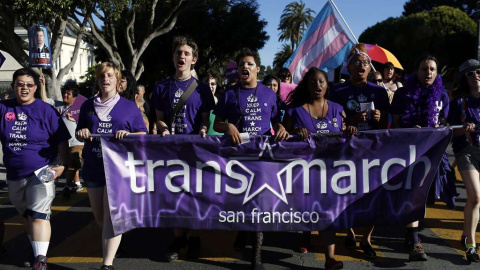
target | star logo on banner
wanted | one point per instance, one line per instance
(252, 124)
(254, 188)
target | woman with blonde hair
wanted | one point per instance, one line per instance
(105, 113)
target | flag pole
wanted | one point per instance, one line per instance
(343, 19)
(349, 29)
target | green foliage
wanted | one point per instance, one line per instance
(281, 57)
(221, 28)
(416, 6)
(294, 21)
(88, 86)
(445, 32)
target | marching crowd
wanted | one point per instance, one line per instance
(40, 141)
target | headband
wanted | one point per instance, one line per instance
(357, 52)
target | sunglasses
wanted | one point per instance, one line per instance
(378, 80)
(22, 84)
(473, 72)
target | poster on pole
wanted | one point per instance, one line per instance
(39, 47)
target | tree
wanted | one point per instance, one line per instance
(102, 22)
(445, 32)
(416, 6)
(114, 25)
(216, 46)
(55, 19)
(294, 21)
(282, 56)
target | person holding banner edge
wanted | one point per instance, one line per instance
(422, 102)
(105, 113)
(32, 135)
(366, 107)
(183, 106)
(311, 113)
(465, 111)
(232, 107)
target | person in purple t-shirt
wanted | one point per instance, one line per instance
(32, 135)
(422, 102)
(366, 106)
(465, 111)
(193, 118)
(310, 113)
(105, 113)
(249, 107)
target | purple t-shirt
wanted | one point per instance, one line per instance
(125, 115)
(472, 115)
(356, 99)
(249, 109)
(400, 104)
(189, 119)
(30, 135)
(332, 122)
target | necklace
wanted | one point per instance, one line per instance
(321, 124)
(188, 84)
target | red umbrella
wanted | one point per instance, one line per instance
(382, 55)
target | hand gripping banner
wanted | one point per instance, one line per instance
(328, 182)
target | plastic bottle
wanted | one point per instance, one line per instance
(46, 174)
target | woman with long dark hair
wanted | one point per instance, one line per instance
(312, 113)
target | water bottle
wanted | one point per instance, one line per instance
(46, 174)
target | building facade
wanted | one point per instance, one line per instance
(85, 60)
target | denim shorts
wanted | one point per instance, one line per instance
(468, 159)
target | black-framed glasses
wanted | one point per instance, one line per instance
(473, 72)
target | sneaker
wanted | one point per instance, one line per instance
(333, 264)
(174, 249)
(194, 247)
(350, 242)
(408, 243)
(107, 267)
(368, 251)
(40, 263)
(472, 254)
(417, 253)
(77, 188)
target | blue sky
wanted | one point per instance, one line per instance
(359, 15)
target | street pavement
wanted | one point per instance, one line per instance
(76, 242)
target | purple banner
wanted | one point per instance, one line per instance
(184, 181)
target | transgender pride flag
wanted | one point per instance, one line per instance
(324, 45)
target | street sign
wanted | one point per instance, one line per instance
(2, 59)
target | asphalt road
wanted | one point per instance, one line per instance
(76, 243)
